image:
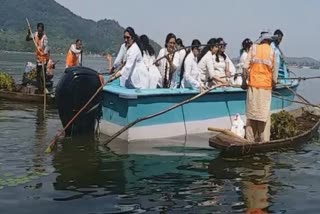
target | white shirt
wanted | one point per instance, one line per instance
(165, 65)
(220, 67)
(243, 58)
(148, 60)
(206, 67)
(121, 57)
(154, 74)
(191, 76)
(134, 74)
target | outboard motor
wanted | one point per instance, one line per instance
(73, 91)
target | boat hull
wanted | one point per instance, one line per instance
(24, 97)
(122, 106)
(229, 145)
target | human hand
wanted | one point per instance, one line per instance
(108, 57)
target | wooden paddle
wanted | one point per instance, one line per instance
(300, 78)
(226, 132)
(54, 141)
(43, 72)
(160, 113)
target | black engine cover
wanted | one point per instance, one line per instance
(73, 91)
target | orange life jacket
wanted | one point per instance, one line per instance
(72, 59)
(261, 66)
(41, 56)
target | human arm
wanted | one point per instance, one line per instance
(118, 62)
(29, 36)
(275, 71)
(213, 77)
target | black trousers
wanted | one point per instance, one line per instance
(40, 83)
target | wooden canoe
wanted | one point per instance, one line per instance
(24, 97)
(308, 121)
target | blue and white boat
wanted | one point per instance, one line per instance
(122, 106)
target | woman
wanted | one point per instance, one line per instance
(149, 59)
(205, 63)
(134, 73)
(182, 54)
(169, 62)
(191, 73)
(246, 45)
(223, 66)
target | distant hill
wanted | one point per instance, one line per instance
(302, 61)
(61, 25)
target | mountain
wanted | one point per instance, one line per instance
(302, 61)
(61, 26)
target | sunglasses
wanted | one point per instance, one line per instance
(127, 37)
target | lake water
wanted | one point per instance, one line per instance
(84, 177)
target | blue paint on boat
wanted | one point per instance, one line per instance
(122, 106)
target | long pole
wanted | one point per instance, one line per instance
(54, 141)
(160, 113)
(43, 69)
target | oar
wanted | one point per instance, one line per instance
(179, 49)
(226, 132)
(54, 141)
(160, 113)
(300, 78)
(43, 72)
(298, 95)
(294, 101)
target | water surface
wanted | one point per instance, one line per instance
(82, 176)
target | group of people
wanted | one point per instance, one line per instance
(174, 66)
(260, 65)
(44, 64)
(197, 67)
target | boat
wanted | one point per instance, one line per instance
(25, 97)
(308, 122)
(121, 106)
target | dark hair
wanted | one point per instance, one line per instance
(170, 36)
(180, 43)
(40, 25)
(278, 32)
(210, 44)
(219, 40)
(247, 43)
(78, 40)
(145, 45)
(195, 44)
(134, 36)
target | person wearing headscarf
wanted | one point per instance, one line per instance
(261, 71)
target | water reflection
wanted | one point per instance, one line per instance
(251, 177)
(83, 169)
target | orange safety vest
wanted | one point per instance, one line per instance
(41, 56)
(261, 65)
(72, 59)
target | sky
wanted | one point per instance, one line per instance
(234, 20)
